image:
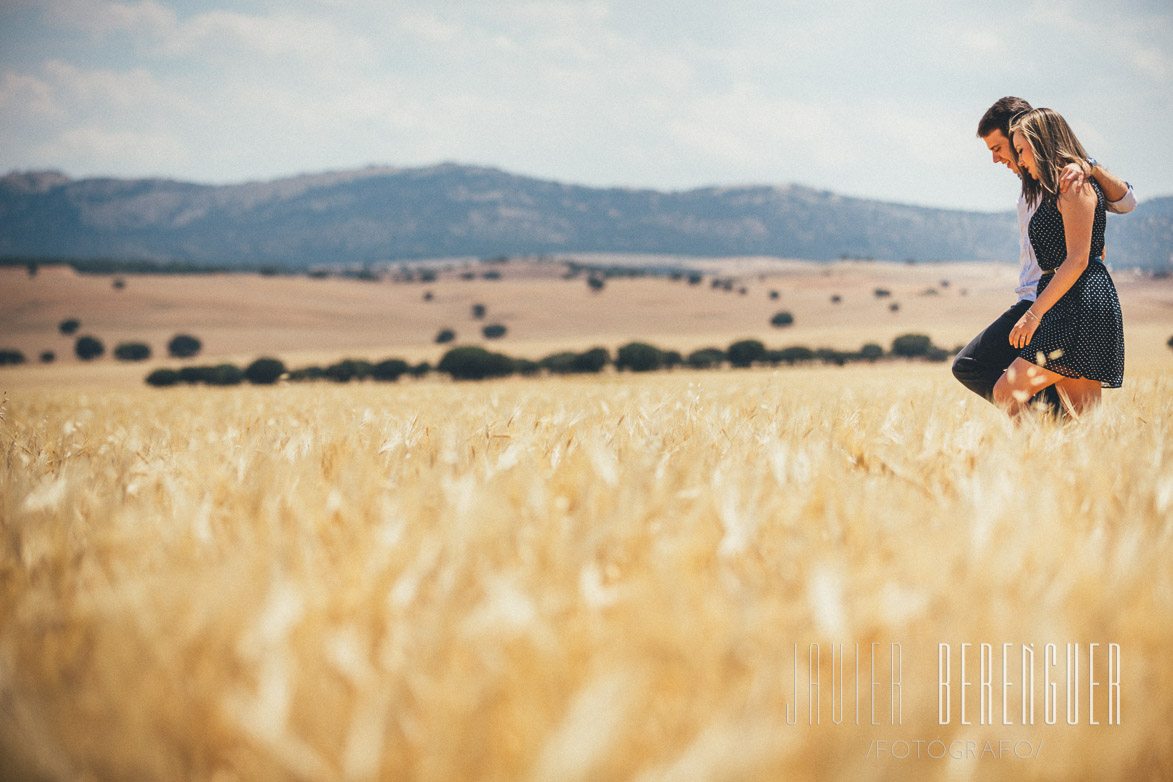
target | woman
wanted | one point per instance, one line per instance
(1072, 337)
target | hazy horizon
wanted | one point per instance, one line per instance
(865, 101)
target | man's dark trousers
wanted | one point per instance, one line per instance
(980, 363)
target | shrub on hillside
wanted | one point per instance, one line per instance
(475, 363)
(871, 352)
(225, 375)
(527, 367)
(832, 356)
(672, 359)
(478, 311)
(69, 326)
(348, 369)
(560, 363)
(132, 351)
(48, 357)
(183, 346)
(304, 374)
(746, 352)
(494, 331)
(596, 283)
(421, 369)
(639, 357)
(593, 360)
(1170, 343)
(445, 335)
(791, 355)
(162, 378)
(938, 354)
(264, 371)
(706, 358)
(88, 348)
(389, 370)
(911, 345)
(11, 357)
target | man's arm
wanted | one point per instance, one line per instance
(1117, 192)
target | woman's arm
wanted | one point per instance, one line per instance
(1078, 208)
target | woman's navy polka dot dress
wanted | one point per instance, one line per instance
(1083, 334)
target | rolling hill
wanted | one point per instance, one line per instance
(379, 213)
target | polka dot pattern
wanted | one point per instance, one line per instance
(1083, 334)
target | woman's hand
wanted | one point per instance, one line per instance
(1024, 330)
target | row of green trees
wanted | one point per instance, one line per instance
(471, 362)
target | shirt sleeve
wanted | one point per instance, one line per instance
(1125, 204)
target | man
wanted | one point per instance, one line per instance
(979, 365)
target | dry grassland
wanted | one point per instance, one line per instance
(241, 317)
(580, 579)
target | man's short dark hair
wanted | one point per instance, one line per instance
(998, 116)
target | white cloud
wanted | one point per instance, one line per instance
(30, 97)
(864, 99)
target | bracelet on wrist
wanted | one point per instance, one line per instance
(1030, 312)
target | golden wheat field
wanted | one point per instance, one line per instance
(738, 575)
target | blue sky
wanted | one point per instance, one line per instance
(864, 98)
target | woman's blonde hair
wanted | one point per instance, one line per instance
(1054, 145)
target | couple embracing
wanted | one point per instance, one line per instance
(1063, 341)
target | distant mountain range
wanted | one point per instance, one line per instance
(378, 214)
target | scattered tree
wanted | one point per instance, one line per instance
(445, 335)
(119, 283)
(494, 331)
(478, 311)
(183, 346)
(69, 326)
(882, 293)
(781, 319)
(88, 348)
(48, 357)
(596, 283)
(836, 298)
(132, 351)
(775, 295)
(871, 352)
(894, 307)
(10, 357)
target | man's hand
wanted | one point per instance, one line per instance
(1074, 174)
